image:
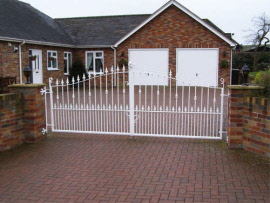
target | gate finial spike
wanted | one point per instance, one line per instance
(170, 73)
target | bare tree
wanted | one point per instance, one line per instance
(259, 36)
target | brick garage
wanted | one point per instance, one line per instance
(174, 29)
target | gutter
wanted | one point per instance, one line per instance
(36, 42)
(20, 59)
(93, 46)
(53, 44)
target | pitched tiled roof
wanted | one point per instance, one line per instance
(20, 20)
(101, 31)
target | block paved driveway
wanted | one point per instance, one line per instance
(97, 168)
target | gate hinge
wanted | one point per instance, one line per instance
(44, 131)
(44, 91)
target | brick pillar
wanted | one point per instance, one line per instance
(33, 102)
(236, 107)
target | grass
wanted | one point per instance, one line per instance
(252, 74)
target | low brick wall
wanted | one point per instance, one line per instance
(249, 120)
(11, 124)
(256, 125)
(22, 116)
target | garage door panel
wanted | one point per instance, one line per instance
(197, 66)
(150, 66)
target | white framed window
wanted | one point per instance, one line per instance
(52, 60)
(94, 61)
(67, 62)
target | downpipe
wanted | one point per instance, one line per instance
(20, 59)
(114, 64)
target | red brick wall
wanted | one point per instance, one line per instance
(79, 54)
(249, 121)
(22, 116)
(47, 73)
(11, 124)
(9, 61)
(174, 29)
(256, 125)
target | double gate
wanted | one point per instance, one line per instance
(114, 103)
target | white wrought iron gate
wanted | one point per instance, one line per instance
(94, 104)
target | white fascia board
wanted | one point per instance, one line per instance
(52, 44)
(36, 42)
(185, 10)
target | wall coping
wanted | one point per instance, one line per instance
(27, 85)
(242, 87)
(8, 94)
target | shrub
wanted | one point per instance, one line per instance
(224, 64)
(77, 69)
(123, 63)
(242, 58)
(263, 66)
(263, 78)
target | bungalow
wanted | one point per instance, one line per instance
(171, 38)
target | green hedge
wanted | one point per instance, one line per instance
(242, 58)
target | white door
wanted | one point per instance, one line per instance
(196, 66)
(36, 65)
(150, 66)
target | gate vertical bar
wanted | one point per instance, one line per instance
(131, 99)
(51, 103)
(221, 108)
(46, 108)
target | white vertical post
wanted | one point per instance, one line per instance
(131, 99)
(221, 108)
(51, 102)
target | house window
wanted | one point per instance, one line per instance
(94, 61)
(52, 60)
(67, 62)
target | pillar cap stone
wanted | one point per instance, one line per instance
(242, 87)
(26, 85)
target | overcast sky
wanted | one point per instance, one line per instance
(234, 16)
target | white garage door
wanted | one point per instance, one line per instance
(197, 66)
(150, 66)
